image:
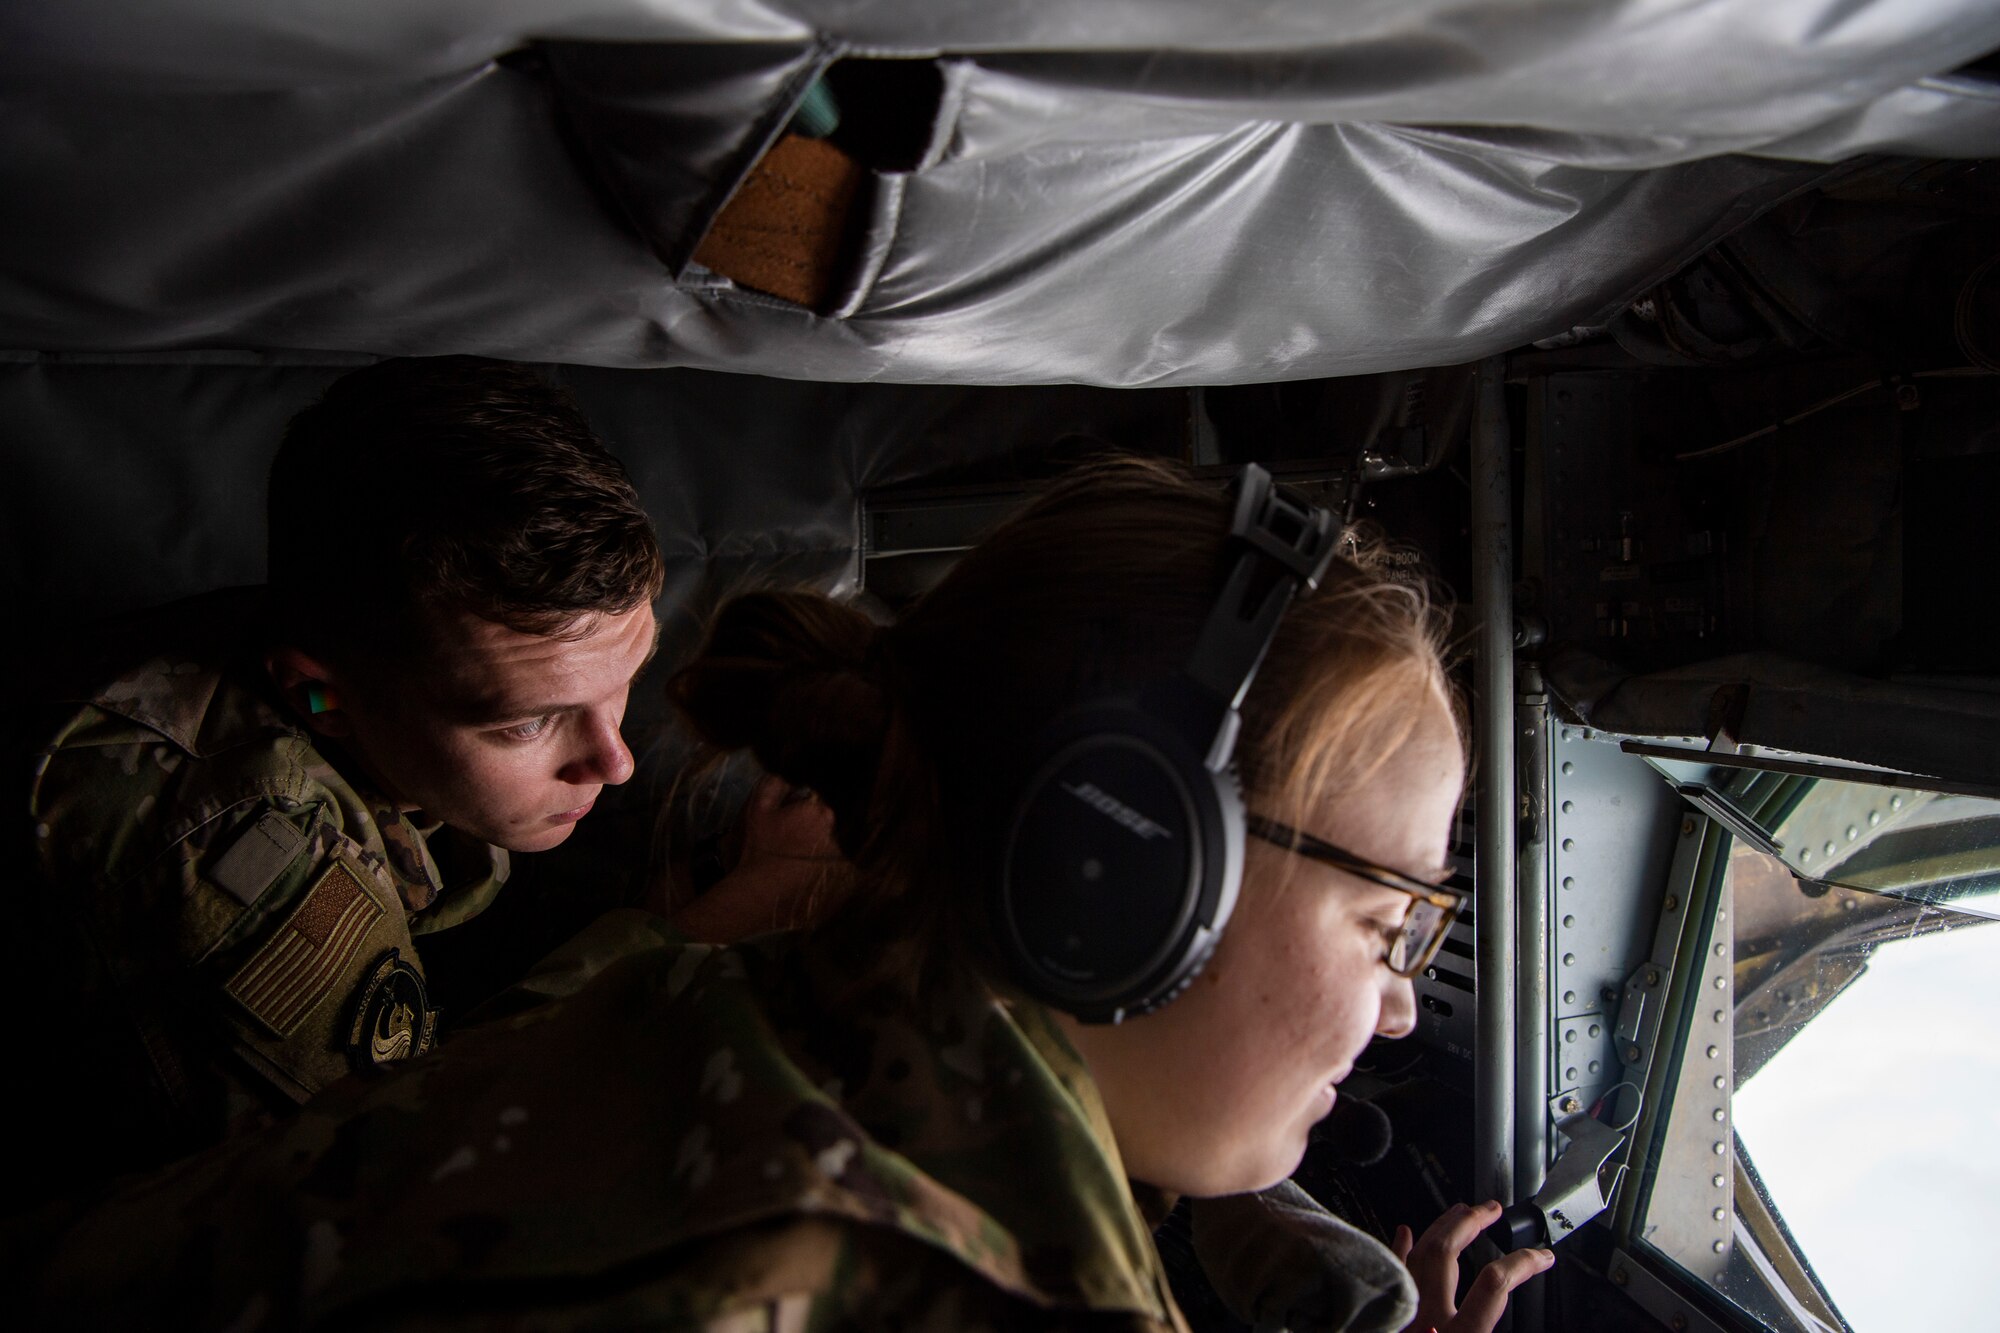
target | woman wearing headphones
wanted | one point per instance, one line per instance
(1073, 977)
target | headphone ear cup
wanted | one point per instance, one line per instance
(1120, 868)
(1124, 854)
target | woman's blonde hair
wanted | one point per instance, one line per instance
(919, 734)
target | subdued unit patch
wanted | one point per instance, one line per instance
(256, 859)
(293, 971)
(393, 1019)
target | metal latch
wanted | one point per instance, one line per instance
(1578, 1187)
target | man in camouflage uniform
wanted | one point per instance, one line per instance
(242, 837)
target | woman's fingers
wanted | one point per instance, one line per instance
(1433, 1261)
(1433, 1258)
(1401, 1243)
(1457, 1227)
(1488, 1297)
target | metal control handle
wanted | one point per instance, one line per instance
(1578, 1187)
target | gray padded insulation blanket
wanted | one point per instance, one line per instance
(1120, 192)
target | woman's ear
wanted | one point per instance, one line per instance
(310, 688)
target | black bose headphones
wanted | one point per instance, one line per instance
(1125, 850)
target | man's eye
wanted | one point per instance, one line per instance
(526, 731)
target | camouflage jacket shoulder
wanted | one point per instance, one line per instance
(693, 1138)
(219, 888)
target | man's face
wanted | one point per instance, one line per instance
(503, 735)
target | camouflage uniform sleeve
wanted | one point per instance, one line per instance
(797, 1275)
(318, 975)
(841, 1276)
(217, 930)
(574, 964)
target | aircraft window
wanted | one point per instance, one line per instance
(1827, 1161)
(1925, 846)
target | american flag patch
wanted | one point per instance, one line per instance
(310, 951)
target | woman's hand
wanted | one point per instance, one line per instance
(790, 874)
(1433, 1262)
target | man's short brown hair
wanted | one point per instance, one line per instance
(416, 489)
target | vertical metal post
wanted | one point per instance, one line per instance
(1534, 1082)
(1533, 1079)
(1495, 811)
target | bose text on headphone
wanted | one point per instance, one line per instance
(1125, 850)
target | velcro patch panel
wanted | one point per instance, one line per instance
(256, 859)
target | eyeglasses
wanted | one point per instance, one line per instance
(1432, 909)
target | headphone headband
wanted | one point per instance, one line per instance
(1299, 537)
(1289, 545)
